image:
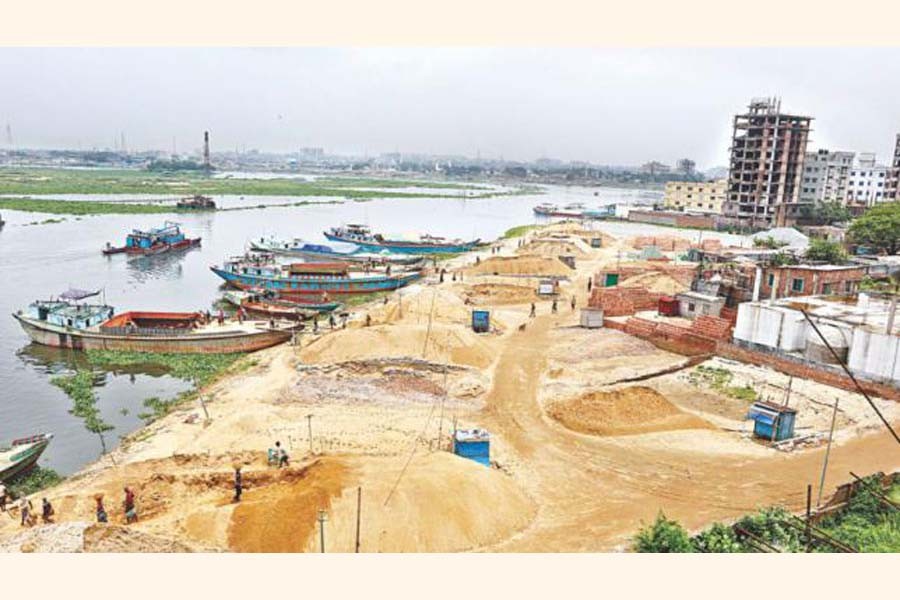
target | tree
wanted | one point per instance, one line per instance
(878, 227)
(663, 536)
(826, 213)
(825, 251)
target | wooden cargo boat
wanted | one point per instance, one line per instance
(155, 241)
(325, 253)
(363, 237)
(269, 305)
(65, 324)
(22, 455)
(196, 202)
(306, 280)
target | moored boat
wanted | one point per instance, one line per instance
(67, 324)
(268, 305)
(306, 280)
(363, 237)
(196, 202)
(22, 455)
(154, 241)
(325, 253)
(552, 210)
(318, 303)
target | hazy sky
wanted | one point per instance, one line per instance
(609, 106)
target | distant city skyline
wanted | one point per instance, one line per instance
(603, 106)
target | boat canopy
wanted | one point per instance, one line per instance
(75, 294)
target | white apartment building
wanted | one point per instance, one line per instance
(867, 183)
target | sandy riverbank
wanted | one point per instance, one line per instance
(581, 458)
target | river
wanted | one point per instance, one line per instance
(39, 261)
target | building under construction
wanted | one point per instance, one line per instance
(892, 186)
(767, 154)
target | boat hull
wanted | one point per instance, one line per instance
(157, 249)
(300, 287)
(312, 256)
(27, 463)
(404, 247)
(46, 334)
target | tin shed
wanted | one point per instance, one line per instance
(474, 444)
(772, 422)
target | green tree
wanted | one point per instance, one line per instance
(825, 251)
(718, 539)
(878, 227)
(826, 213)
(663, 536)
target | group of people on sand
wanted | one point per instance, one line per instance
(128, 506)
(27, 516)
(277, 456)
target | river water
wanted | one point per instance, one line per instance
(37, 261)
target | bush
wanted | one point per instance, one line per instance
(663, 536)
(719, 538)
(37, 479)
(825, 251)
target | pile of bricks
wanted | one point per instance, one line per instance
(710, 245)
(668, 336)
(666, 243)
(729, 314)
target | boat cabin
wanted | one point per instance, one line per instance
(66, 314)
(170, 234)
(152, 323)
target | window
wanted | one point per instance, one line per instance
(771, 279)
(797, 285)
(848, 286)
(691, 307)
(826, 288)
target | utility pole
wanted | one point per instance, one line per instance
(323, 516)
(827, 452)
(358, 511)
(309, 423)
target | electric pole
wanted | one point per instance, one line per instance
(309, 423)
(323, 516)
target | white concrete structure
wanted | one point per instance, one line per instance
(825, 176)
(867, 182)
(867, 331)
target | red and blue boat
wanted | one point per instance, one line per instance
(362, 236)
(308, 280)
(153, 241)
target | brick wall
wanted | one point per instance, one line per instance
(676, 219)
(623, 300)
(805, 371)
(814, 281)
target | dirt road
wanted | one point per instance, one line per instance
(593, 493)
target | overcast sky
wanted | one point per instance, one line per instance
(608, 106)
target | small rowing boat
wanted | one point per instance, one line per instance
(22, 455)
(154, 241)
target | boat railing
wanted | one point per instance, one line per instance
(146, 331)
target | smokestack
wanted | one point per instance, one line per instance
(206, 149)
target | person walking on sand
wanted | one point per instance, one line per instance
(573, 303)
(47, 511)
(331, 321)
(238, 484)
(25, 510)
(553, 307)
(590, 282)
(533, 312)
(281, 455)
(130, 510)
(315, 324)
(101, 511)
(2, 497)
(368, 319)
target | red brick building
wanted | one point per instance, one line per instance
(811, 280)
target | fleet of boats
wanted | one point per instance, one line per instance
(325, 253)
(575, 211)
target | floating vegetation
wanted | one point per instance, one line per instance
(200, 369)
(80, 388)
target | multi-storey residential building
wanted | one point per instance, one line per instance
(825, 176)
(767, 153)
(867, 183)
(696, 196)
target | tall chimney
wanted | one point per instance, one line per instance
(206, 149)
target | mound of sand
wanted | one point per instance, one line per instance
(625, 411)
(82, 536)
(483, 294)
(418, 304)
(656, 282)
(456, 344)
(521, 265)
(555, 247)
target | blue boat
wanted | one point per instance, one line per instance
(325, 253)
(363, 237)
(155, 241)
(306, 280)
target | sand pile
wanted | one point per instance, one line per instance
(416, 306)
(455, 344)
(487, 294)
(521, 265)
(625, 411)
(660, 283)
(282, 517)
(555, 247)
(83, 536)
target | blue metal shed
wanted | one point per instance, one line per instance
(474, 444)
(772, 422)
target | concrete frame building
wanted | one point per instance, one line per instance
(696, 196)
(892, 183)
(768, 150)
(825, 176)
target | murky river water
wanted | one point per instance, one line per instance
(37, 261)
